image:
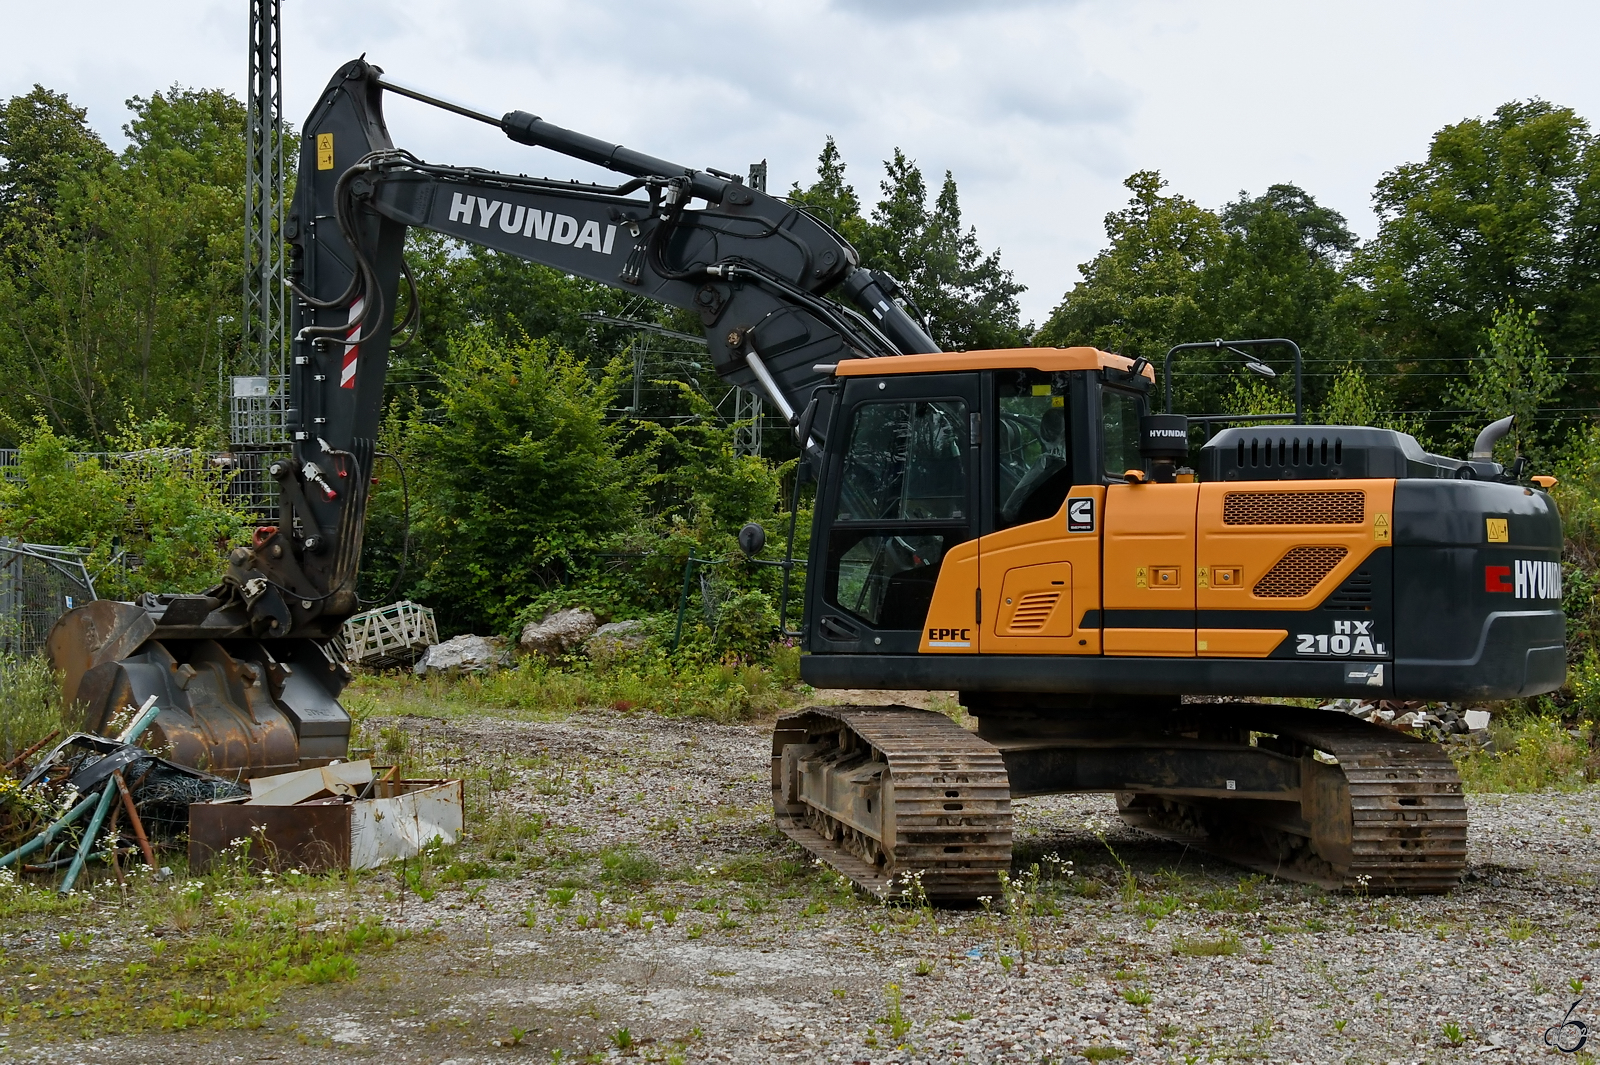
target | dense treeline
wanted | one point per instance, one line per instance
(1493, 239)
(555, 457)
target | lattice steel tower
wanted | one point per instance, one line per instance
(258, 400)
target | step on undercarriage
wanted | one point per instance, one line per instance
(892, 795)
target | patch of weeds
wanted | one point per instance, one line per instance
(626, 865)
(1158, 908)
(1453, 1034)
(1520, 928)
(726, 922)
(416, 881)
(894, 1016)
(1532, 752)
(707, 905)
(561, 896)
(961, 1018)
(924, 967)
(694, 931)
(1129, 888)
(622, 1039)
(1314, 925)
(1244, 897)
(1103, 1053)
(755, 904)
(1137, 996)
(1206, 947)
(459, 872)
(254, 947)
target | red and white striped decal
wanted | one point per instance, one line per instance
(352, 345)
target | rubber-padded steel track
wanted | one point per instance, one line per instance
(944, 799)
(1389, 816)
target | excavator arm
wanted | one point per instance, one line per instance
(248, 674)
(757, 270)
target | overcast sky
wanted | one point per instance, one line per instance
(1040, 109)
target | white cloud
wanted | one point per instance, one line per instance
(1040, 108)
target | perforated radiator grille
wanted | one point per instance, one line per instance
(1294, 508)
(1299, 571)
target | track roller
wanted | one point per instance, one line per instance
(1378, 810)
(891, 796)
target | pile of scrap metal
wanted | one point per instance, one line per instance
(108, 779)
(339, 816)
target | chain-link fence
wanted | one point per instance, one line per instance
(38, 583)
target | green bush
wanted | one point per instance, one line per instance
(161, 501)
(746, 625)
(30, 703)
(520, 480)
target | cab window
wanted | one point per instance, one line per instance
(903, 502)
(906, 462)
(1032, 447)
(1119, 417)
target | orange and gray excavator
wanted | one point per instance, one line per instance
(1015, 525)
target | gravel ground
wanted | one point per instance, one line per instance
(658, 899)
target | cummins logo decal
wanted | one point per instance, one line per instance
(1525, 578)
(1080, 515)
(532, 223)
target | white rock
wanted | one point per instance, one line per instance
(465, 654)
(559, 633)
(1477, 720)
(616, 637)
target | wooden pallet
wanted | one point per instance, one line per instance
(393, 635)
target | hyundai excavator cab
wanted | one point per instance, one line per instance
(1014, 525)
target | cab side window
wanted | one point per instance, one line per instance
(1032, 447)
(1119, 416)
(906, 461)
(903, 502)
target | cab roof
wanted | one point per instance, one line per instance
(1047, 359)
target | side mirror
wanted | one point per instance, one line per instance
(752, 538)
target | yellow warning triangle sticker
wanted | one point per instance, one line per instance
(1380, 527)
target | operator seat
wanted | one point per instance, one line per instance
(1038, 495)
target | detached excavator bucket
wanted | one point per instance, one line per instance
(228, 704)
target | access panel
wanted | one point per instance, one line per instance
(1149, 570)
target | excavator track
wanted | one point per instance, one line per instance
(1380, 810)
(894, 798)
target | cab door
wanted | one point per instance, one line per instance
(1149, 558)
(1040, 566)
(899, 509)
